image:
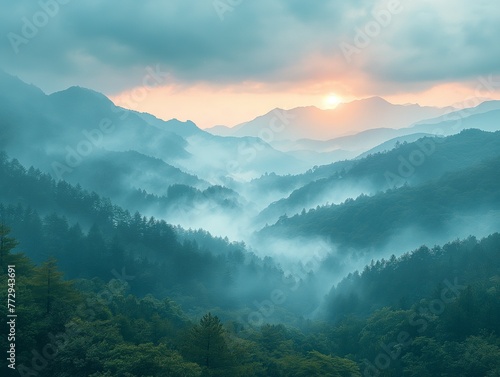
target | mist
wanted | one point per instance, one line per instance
(348, 225)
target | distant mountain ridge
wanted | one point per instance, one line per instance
(380, 171)
(436, 208)
(79, 135)
(347, 119)
(56, 122)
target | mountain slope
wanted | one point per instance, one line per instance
(91, 236)
(483, 107)
(433, 209)
(486, 121)
(72, 125)
(393, 143)
(184, 129)
(417, 275)
(382, 171)
(349, 118)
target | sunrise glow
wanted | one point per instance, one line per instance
(332, 101)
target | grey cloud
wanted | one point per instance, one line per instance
(108, 44)
(426, 46)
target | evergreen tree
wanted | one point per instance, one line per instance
(50, 288)
(208, 345)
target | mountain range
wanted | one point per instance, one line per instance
(346, 119)
(270, 224)
(137, 159)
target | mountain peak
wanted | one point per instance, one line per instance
(78, 95)
(176, 126)
(81, 92)
(489, 105)
(375, 100)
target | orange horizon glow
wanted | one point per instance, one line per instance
(208, 106)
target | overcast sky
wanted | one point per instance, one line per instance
(226, 61)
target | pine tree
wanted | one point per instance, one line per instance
(50, 288)
(208, 345)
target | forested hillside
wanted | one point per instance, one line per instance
(372, 220)
(91, 237)
(95, 327)
(408, 164)
(233, 188)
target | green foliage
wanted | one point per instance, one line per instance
(207, 344)
(476, 356)
(421, 274)
(146, 359)
(133, 277)
(192, 267)
(316, 364)
(371, 221)
(443, 155)
(50, 289)
(88, 333)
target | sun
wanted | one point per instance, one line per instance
(331, 101)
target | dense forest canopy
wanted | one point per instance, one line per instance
(169, 251)
(125, 292)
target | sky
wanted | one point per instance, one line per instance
(223, 62)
